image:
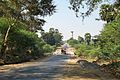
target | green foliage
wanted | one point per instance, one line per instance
(95, 40)
(53, 37)
(86, 7)
(110, 12)
(110, 40)
(48, 48)
(93, 53)
(80, 39)
(81, 50)
(107, 13)
(27, 11)
(22, 44)
(88, 51)
(3, 25)
(5, 22)
(88, 38)
(73, 42)
(21, 17)
(106, 45)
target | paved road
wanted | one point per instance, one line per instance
(48, 69)
(56, 67)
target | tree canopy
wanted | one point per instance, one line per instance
(29, 11)
(19, 20)
(88, 6)
(53, 37)
(109, 12)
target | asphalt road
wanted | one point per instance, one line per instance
(55, 67)
(48, 69)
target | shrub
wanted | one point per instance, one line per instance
(22, 45)
(88, 51)
(81, 50)
(48, 48)
(72, 42)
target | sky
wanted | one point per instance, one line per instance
(66, 21)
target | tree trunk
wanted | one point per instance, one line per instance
(4, 45)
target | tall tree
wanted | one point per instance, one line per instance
(96, 40)
(72, 34)
(88, 38)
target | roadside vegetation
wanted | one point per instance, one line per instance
(104, 47)
(21, 19)
(19, 22)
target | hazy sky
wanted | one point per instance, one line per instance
(66, 21)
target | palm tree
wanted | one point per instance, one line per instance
(72, 34)
(88, 38)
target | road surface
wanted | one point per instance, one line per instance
(48, 69)
(56, 67)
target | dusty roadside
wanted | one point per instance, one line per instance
(84, 70)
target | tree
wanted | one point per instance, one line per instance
(73, 42)
(80, 39)
(27, 11)
(110, 12)
(88, 5)
(110, 40)
(107, 13)
(53, 37)
(51, 30)
(96, 40)
(5, 27)
(88, 38)
(21, 44)
(58, 37)
(72, 34)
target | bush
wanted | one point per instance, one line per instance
(81, 50)
(73, 42)
(48, 48)
(88, 51)
(76, 46)
(110, 40)
(94, 52)
(22, 45)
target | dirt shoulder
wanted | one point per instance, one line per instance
(84, 70)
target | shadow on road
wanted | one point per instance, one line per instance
(55, 67)
(48, 69)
